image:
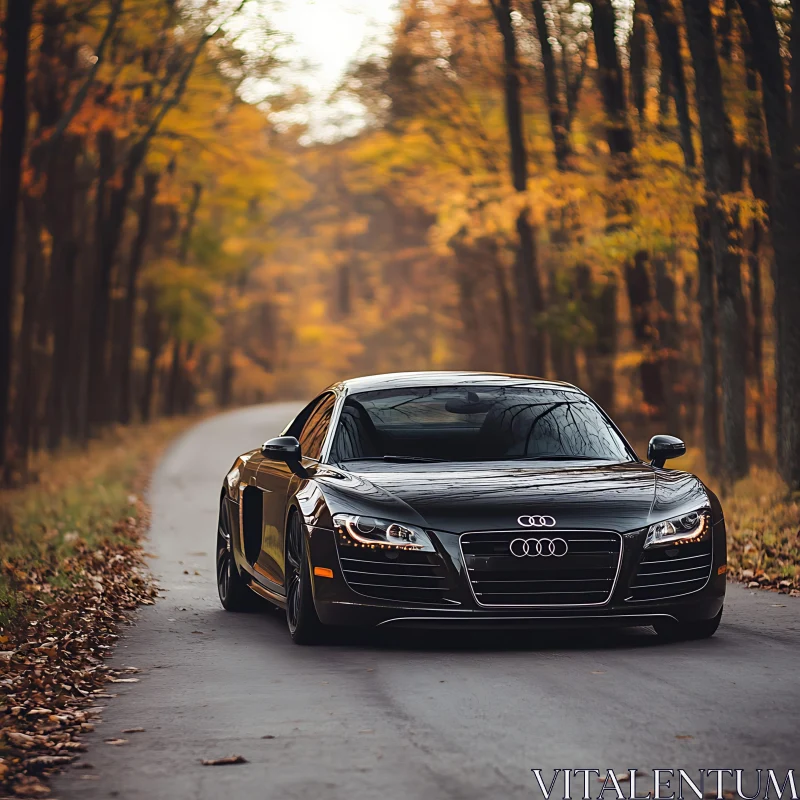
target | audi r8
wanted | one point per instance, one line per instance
(456, 500)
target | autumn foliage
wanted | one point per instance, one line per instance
(601, 193)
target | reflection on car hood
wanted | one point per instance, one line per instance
(466, 497)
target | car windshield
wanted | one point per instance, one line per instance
(475, 423)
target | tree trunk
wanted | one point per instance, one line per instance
(783, 130)
(188, 228)
(28, 376)
(506, 310)
(757, 328)
(669, 346)
(760, 184)
(126, 349)
(468, 308)
(172, 385)
(600, 309)
(154, 342)
(641, 298)
(527, 279)
(619, 204)
(610, 79)
(638, 57)
(226, 372)
(63, 261)
(12, 149)
(664, 18)
(556, 103)
(100, 286)
(721, 164)
(708, 338)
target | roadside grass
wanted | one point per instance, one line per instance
(75, 501)
(763, 523)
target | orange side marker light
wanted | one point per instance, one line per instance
(722, 570)
(323, 572)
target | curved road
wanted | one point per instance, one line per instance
(415, 717)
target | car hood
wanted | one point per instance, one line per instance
(470, 497)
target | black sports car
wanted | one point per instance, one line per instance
(444, 499)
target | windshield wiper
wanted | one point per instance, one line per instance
(412, 459)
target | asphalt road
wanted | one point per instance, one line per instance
(411, 717)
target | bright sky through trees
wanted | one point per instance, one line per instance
(327, 35)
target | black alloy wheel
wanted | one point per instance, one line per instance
(233, 592)
(301, 616)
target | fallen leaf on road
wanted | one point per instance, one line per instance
(216, 762)
(28, 786)
(684, 736)
(124, 680)
(45, 762)
(116, 742)
(202, 633)
(132, 730)
(268, 736)
(598, 672)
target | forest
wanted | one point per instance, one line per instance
(602, 193)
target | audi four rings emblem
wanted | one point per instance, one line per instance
(536, 521)
(532, 548)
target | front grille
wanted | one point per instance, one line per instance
(671, 571)
(584, 576)
(401, 575)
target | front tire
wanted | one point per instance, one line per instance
(675, 631)
(233, 592)
(301, 615)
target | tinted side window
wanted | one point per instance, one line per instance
(312, 437)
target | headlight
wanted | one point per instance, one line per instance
(691, 527)
(381, 533)
(232, 479)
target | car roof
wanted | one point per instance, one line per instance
(402, 380)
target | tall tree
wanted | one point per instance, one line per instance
(665, 22)
(556, 102)
(637, 47)
(529, 286)
(12, 149)
(783, 130)
(722, 170)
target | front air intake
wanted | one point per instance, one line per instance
(403, 576)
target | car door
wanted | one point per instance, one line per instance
(276, 480)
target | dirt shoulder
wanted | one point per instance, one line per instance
(72, 572)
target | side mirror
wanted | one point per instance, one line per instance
(283, 448)
(664, 447)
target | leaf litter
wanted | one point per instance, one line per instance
(52, 667)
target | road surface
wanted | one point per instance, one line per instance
(419, 716)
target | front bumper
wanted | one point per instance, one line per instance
(337, 602)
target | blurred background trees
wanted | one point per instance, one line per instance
(602, 193)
